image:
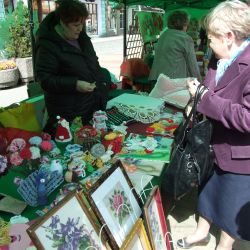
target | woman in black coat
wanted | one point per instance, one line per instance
(67, 67)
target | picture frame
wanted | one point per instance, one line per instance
(155, 221)
(68, 224)
(116, 203)
(137, 239)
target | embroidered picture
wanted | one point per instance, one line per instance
(70, 235)
(118, 203)
(155, 221)
(67, 226)
(157, 234)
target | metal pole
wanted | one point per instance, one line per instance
(125, 30)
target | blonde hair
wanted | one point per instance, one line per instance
(229, 16)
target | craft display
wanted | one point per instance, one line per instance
(115, 117)
(63, 133)
(146, 147)
(137, 238)
(86, 136)
(99, 119)
(155, 221)
(3, 144)
(141, 108)
(115, 203)
(141, 183)
(28, 187)
(106, 213)
(8, 204)
(3, 164)
(143, 166)
(114, 140)
(71, 214)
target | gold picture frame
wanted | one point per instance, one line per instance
(69, 222)
(137, 239)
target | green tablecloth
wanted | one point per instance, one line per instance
(8, 187)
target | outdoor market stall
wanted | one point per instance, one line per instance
(140, 137)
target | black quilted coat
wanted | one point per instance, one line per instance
(58, 66)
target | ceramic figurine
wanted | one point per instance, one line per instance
(56, 166)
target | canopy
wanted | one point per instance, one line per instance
(172, 4)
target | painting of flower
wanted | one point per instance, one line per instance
(68, 226)
(118, 203)
(70, 235)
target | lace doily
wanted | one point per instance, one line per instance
(139, 113)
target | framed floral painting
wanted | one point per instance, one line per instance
(68, 225)
(115, 202)
(137, 239)
(155, 221)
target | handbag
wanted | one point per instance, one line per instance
(191, 160)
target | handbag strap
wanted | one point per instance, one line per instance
(200, 90)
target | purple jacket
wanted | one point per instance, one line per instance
(228, 106)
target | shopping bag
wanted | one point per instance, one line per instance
(22, 116)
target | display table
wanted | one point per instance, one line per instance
(8, 186)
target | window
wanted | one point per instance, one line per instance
(121, 19)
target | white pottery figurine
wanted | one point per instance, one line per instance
(56, 166)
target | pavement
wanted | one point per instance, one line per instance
(110, 52)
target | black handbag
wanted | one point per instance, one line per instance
(192, 157)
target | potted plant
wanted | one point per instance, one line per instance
(18, 42)
(9, 74)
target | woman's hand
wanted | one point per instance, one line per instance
(189, 108)
(83, 86)
(192, 85)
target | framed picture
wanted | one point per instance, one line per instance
(116, 203)
(137, 239)
(155, 221)
(68, 225)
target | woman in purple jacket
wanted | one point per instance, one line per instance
(225, 198)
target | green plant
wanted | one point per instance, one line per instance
(17, 39)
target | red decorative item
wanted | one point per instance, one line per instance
(116, 143)
(25, 154)
(46, 145)
(63, 133)
(84, 133)
(3, 144)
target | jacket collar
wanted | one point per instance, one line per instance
(234, 69)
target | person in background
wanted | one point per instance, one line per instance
(174, 53)
(225, 198)
(67, 67)
(193, 31)
(202, 36)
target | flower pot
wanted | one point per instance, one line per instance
(25, 67)
(8, 78)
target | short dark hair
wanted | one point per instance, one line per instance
(178, 19)
(71, 10)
